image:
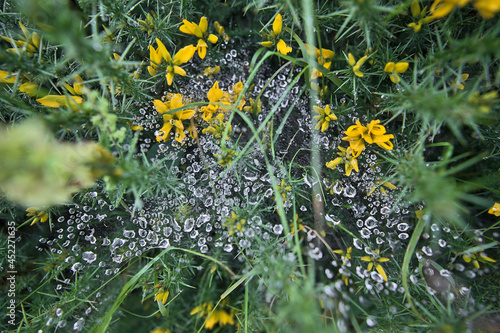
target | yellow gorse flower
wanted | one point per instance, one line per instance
(419, 14)
(346, 255)
(274, 39)
(373, 133)
(211, 71)
(221, 31)
(441, 8)
(495, 210)
(217, 96)
(28, 42)
(218, 316)
(323, 56)
(217, 127)
(38, 214)
(395, 69)
(148, 24)
(161, 295)
(348, 158)
(6, 77)
(172, 120)
(226, 157)
(475, 257)
(356, 65)
(159, 54)
(375, 260)
(487, 8)
(56, 101)
(200, 31)
(459, 82)
(324, 117)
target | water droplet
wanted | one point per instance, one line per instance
(349, 191)
(89, 256)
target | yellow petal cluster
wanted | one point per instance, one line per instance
(323, 56)
(200, 31)
(27, 42)
(324, 117)
(358, 134)
(356, 65)
(419, 15)
(172, 120)
(73, 100)
(375, 260)
(160, 54)
(273, 37)
(219, 99)
(213, 317)
(346, 156)
(495, 210)
(38, 214)
(395, 69)
(476, 257)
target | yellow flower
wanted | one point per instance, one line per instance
(375, 260)
(29, 43)
(234, 223)
(394, 69)
(324, 117)
(273, 38)
(72, 101)
(38, 215)
(356, 65)
(483, 102)
(419, 15)
(373, 133)
(221, 31)
(323, 57)
(211, 71)
(254, 108)
(6, 77)
(346, 157)
(487, 8)
(29, 88)
(200, 31)
(495, 210)
(218, 316)
(226, 157)
(161, 295)
(475, 257)
(386, 184)
(441, 8)
(346, 255)
(160, 330)
(459, 82)
(215, 95)
(218, 127)
(171, 120)
(181, 57)
(300, 226)
(148, 24)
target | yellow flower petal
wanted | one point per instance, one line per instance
(389, 67)
(283, 48)
(203, 24)
(212, 38)
(401, 67)
(267, 44)
(277, 24)
(184, 55)
(352, 61)
(381, 271)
